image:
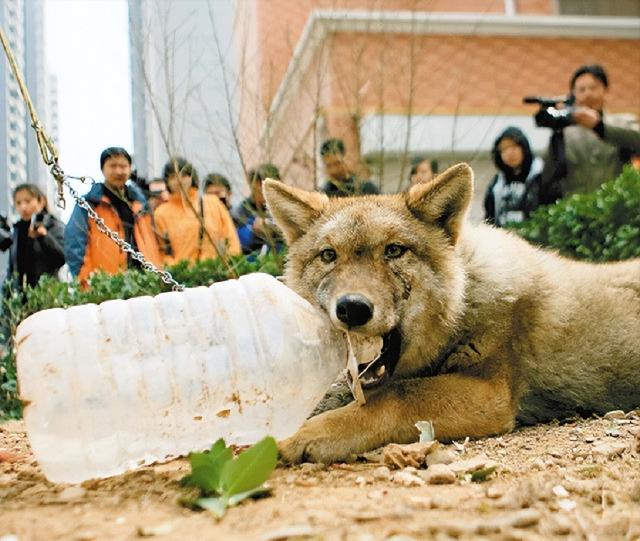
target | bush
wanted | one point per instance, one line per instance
(50, 293)
(600, 226)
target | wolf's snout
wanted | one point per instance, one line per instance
(354, 310)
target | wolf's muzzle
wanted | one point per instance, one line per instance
(354, 310)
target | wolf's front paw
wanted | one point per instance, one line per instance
(314, 442)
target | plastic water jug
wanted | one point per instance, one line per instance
(114, 386)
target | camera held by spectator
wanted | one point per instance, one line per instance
(549, 115)
(37, 220)
(5, 234)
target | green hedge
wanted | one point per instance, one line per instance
(600, 226)
(50, 293)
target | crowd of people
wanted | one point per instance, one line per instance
(175, 217)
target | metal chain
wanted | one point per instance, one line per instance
(165, 276)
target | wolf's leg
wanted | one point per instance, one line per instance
(458, 405)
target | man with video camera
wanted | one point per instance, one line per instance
(588, 146)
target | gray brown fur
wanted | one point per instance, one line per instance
(493, 329)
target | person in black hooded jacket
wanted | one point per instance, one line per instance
(38, 238)
(515, 190)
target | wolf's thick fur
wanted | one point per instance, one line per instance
(492, 329)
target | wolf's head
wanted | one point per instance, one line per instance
(384, 265)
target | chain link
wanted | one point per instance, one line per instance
(165, 276)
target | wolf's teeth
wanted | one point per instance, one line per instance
(380, 371)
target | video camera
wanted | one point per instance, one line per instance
(549, 115)
(5, 234)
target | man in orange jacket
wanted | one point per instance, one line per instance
(124, 210)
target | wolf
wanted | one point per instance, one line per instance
(480, 329)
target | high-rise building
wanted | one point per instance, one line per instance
(180, 52)
(22, 22)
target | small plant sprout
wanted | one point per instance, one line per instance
(225, 481)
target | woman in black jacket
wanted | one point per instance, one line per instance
(38, 238)
(515, 190)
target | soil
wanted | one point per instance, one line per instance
(578, 480)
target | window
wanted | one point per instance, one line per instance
(620, 8)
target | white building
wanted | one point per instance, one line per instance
(180, 103)
(22, 22)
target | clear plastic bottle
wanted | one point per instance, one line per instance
(114, 386)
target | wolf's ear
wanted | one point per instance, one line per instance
(444, 200)
(293, 210)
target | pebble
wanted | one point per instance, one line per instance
(615, 414)
(441, 456)
(614, 432)
(163, 528)
(560, 525)
(522, 519)
(376, 494)
(438, 474)
(309, 481)
(71, 494)
(291, 478)
(382, 473)
(407, 479)
(360, 481)
(311, 467)
(413, 454)
(609, 450)
(6, 456)
(420, 502)
(589, 439)
(560, 491)
(495, 491)
(470, 465)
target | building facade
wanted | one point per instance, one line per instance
(403, 78)
(181, 105)
(22, 22)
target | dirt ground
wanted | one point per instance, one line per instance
(578, 480)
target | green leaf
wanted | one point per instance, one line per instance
(255, 493)
(480, 476)
(206, 468)
(217, 448)
(215, 506)
(251, 468)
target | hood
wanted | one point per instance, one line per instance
(520, 138)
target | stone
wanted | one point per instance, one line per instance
(470, 465)
(407, 479)
(615, 414)
(71, 494)
(438, 474)
(382, 473)
(609, 450)
(399, 456)
(441, 456)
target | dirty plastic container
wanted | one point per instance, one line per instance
(114, 386)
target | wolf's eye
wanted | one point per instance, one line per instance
(328, 255)
(393, 251)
